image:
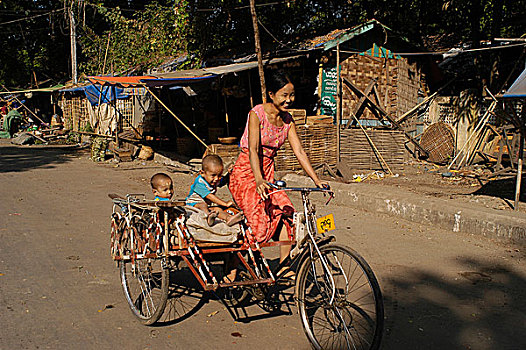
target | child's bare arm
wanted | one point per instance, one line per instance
(215, 199)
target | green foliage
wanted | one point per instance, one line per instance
(143, 34)
(146, 39)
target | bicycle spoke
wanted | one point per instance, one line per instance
(351, 319)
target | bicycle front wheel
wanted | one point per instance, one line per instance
(145, 283)
(339, 300)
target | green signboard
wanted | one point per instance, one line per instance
(329, 86)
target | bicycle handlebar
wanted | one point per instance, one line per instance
(282, 186)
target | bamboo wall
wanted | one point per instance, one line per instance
(356, 149)
(76, 115)
(125, 107)
(74, 112)
(319, 142)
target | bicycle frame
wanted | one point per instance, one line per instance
(310, 219)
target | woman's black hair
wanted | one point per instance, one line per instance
(275, 80)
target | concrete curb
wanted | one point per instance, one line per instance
(450, 215)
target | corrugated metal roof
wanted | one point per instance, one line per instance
(518, 88)
(219, 70)
(329, 41)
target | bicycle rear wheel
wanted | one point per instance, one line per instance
(145, 283)
(348, 316)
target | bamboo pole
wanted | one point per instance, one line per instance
(519, 161)
(176, 117)
(376, 151)
(481, 124)
(116, 116)
(250, 89)
(415, 108)
(320, 85)
(519, 173)
(338, 102)
(106, 53)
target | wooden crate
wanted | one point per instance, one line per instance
(224, 151)
(319, 142)
(355, 148)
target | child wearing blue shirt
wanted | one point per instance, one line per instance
(162, 187)
(203, 192)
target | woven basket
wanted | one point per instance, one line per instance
(439, 141)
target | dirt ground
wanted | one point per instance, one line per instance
(60, 289)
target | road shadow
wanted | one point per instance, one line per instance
(503, 188)
(481, 308)
(19, 159)
(244, 304)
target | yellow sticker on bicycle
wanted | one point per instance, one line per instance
(325, 223)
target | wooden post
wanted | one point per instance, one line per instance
(338, 102)
(258, 51)
(116, 116)
(106, 54)
(250, 89)
(226, 116)
(73, 44)
(386, 92)
(320, 86)
(519, 172)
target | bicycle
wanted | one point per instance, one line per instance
(338, 296)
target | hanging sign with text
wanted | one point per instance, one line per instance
(329, 85)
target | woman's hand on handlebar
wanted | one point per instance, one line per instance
(261, 188)
(323, 184)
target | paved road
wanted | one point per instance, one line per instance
(60, 289)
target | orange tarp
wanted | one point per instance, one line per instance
(122, 81)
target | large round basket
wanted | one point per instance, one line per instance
(439, 141)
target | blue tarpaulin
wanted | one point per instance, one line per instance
(93, 92)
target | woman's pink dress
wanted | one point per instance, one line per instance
(262, 216)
